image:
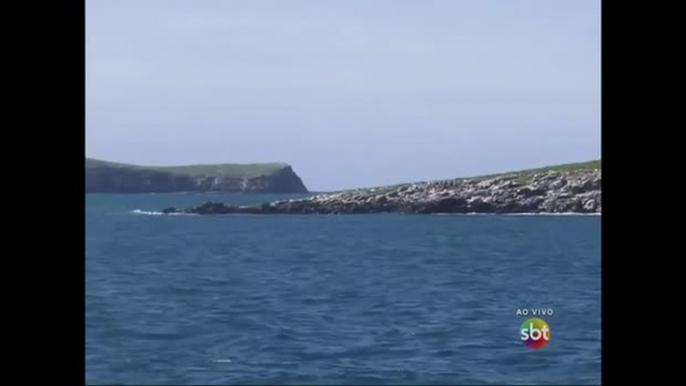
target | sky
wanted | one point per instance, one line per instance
(350, 93)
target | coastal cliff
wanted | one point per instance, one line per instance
(110, 177)
(569, 188)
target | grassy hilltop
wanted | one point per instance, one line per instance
(517, 176)
(114, 177)
(523, 174)
(200, 170)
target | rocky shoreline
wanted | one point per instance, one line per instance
(577, 191)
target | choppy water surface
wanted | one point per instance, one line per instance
(335, 299)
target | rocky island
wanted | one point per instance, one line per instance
(569, 188)
(110, 177)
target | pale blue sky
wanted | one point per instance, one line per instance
(351, 93)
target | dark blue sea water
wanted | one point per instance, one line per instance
(366, 299)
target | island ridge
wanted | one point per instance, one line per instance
(568, 188)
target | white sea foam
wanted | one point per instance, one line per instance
(153, 213)
(553, 214)
(146, 212)
(221, 360)
(518, 214)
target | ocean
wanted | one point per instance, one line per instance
(349, 299)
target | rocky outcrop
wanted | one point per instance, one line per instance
(107, 177)
(577, 191)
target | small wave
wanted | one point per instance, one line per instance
(465, 214)
(553, 214)
(221, 360)
(518, 214)
(146, 212)
(153, 213)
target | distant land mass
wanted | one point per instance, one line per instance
(112, 177)
(567, 188)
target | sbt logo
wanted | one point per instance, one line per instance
(535, 333)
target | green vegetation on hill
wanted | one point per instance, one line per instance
(217, 170)
(114, 177)
(520, 174)
(571, 167)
